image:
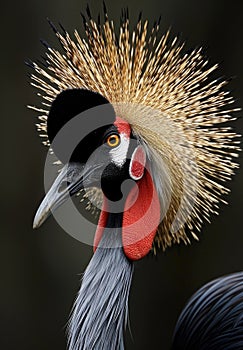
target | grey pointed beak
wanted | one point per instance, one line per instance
(70, 180)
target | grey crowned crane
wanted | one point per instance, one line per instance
(141, 131)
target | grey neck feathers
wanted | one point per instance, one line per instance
(100, 311)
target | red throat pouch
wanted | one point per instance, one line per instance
(141, 218)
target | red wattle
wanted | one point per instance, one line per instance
(140, 219)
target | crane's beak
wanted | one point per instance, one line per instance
(71, 179)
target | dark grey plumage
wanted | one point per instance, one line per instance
(213, 317)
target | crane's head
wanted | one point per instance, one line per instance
(99, 149)
(132, 113)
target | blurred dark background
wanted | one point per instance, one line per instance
(40, 270)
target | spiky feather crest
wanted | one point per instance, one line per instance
(171, 104)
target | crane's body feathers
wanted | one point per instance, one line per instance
(213, 317)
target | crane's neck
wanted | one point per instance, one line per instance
(101, 308)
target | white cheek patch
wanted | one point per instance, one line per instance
(119, 153)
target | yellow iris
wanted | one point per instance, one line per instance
(113, 140)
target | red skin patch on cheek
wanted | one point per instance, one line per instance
(123, 127)
(138, 162)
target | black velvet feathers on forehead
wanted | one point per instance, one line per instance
(70, 104)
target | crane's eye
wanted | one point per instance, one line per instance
(113, 140)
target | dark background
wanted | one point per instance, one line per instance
(40, 270)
